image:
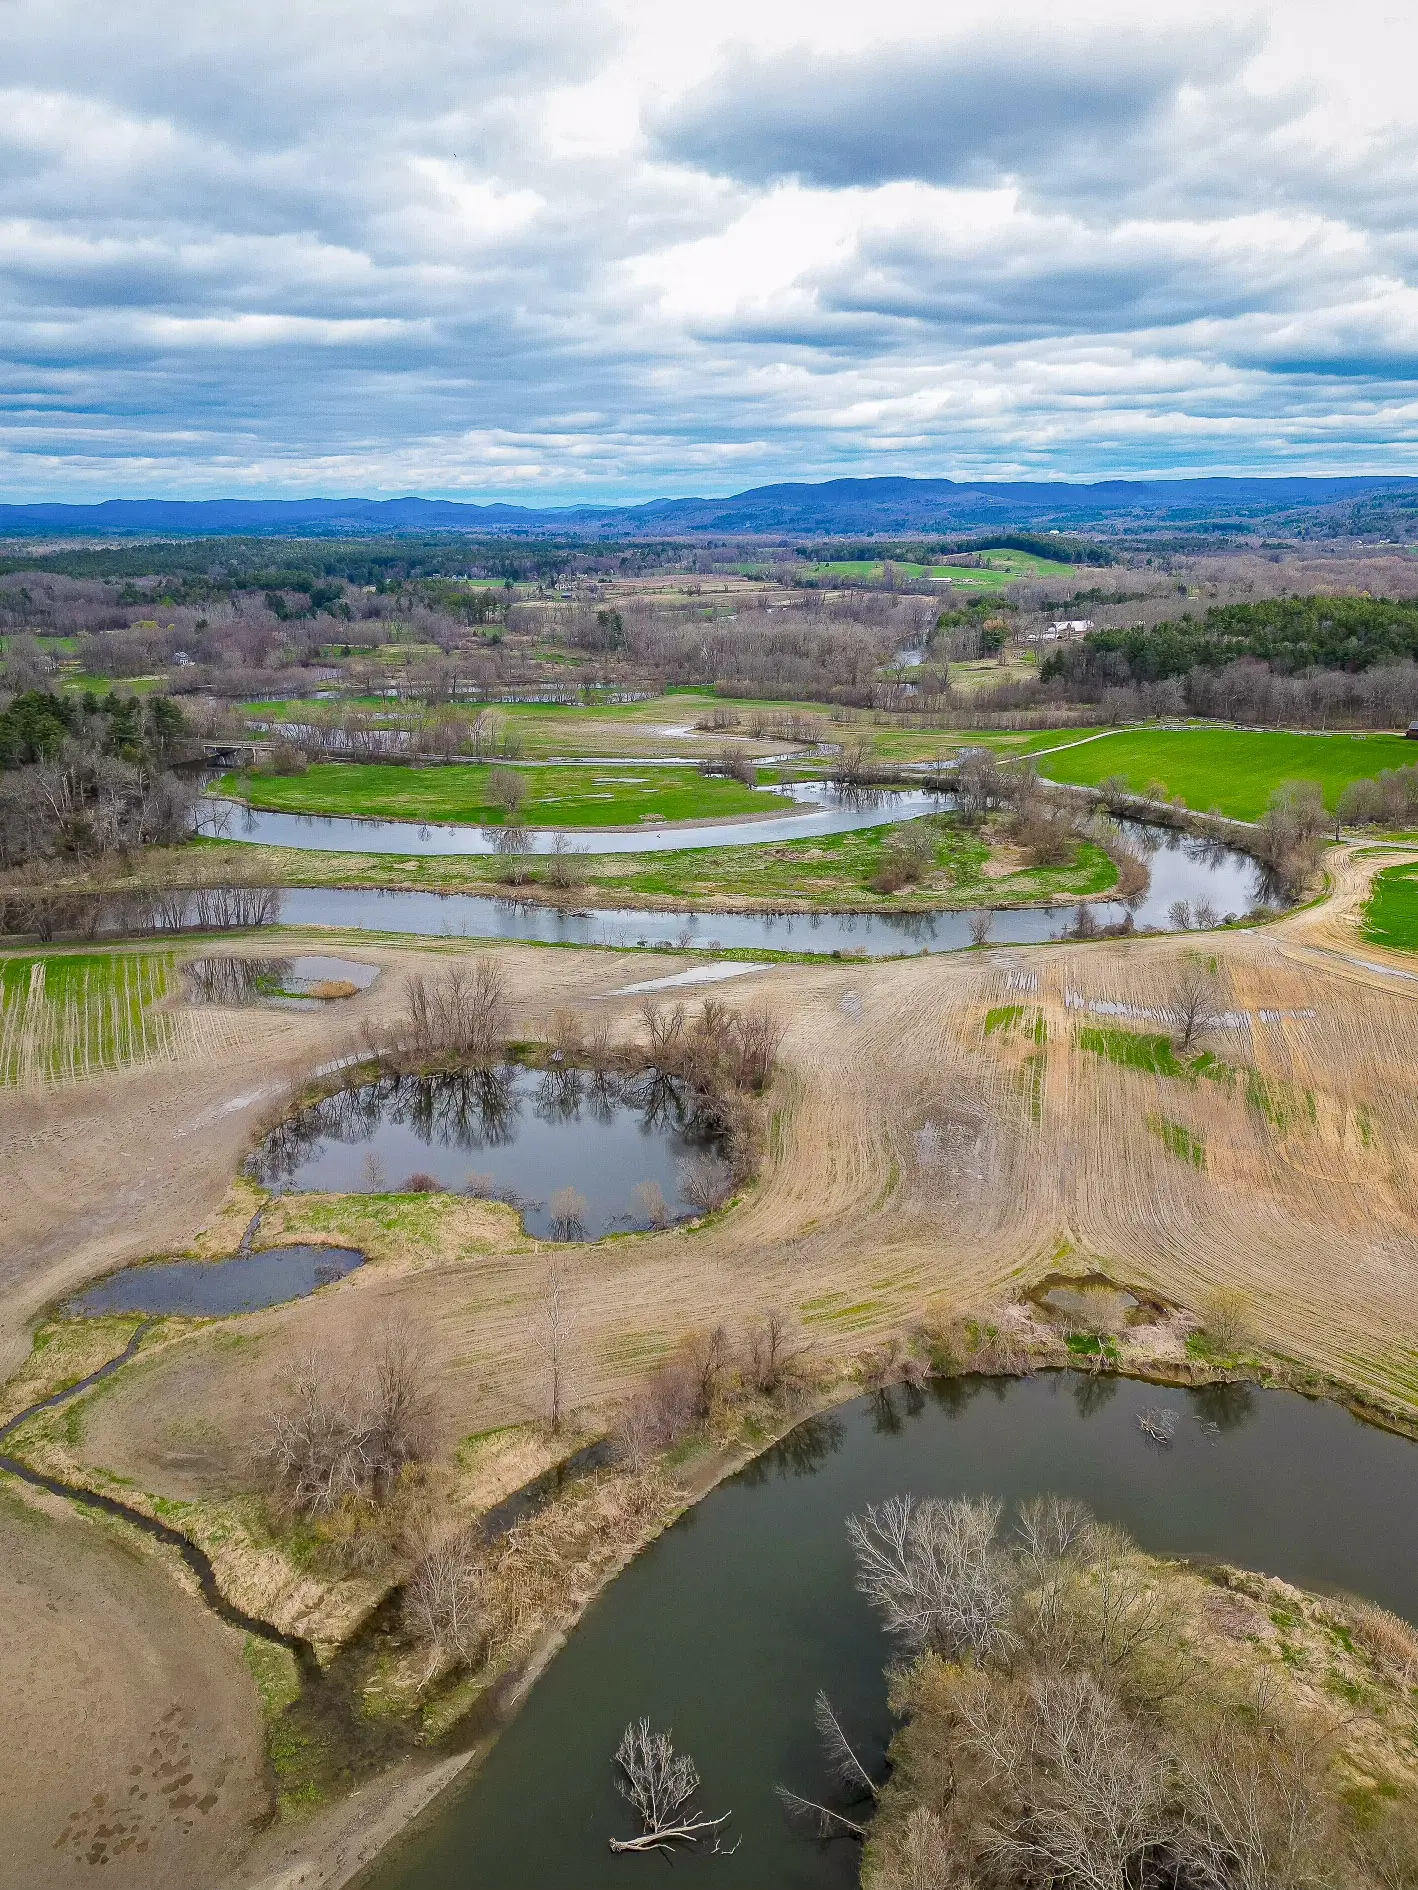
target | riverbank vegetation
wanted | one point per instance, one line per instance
(1078, 1714)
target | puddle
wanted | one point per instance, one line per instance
(212, 1288)
(700, 974)
(1091, 1302)
(303, 983)
(580, 1153)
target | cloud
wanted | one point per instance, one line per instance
(583, 247)
(967, 111)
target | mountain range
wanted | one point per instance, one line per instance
(836, 506)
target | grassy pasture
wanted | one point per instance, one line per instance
(998, 569)
(1231, 770)
(71, 1015)
(1391, 915)
(556, 797)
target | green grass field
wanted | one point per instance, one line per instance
(1232, 771)
(1391, 916)
(619, 795)
(73, 1014)
(999, 569)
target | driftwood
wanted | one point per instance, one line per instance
(660, 1782)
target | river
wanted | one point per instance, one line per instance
(727, 1626)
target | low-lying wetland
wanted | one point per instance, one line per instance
(206, 1289)
(727, 1627)
(304, 982)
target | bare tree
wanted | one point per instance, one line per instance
(563, 863)
(506, 789)
(1084, 1796)
(1195, 1004)
(934, 1572)
(771, 1354)
(341, 1431)
(706, 1357)
(555, 1336)
(660, 1783)
(568, 1212)
(981, 925)
(464, 1013)
(650, 1203)
(445, 1600)
(706, 1182)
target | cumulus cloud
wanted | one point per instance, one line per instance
(575, 248)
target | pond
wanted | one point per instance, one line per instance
(826, 809)
(1199, 873)
(727, 1626)
(303, 983)
(212, 1288)
(623, 1145)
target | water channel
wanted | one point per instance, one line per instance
(827, 809)
(727, 1626)
(1184, 868)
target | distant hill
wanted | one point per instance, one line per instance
(837, 506)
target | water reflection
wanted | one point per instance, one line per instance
(569, 1147)
(726, 1630)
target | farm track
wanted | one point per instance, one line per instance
(1037, 1153)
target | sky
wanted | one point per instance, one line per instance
(553, 251)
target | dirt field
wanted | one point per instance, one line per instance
(133, 1745)
(1297, 1184)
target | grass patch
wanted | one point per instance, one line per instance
(995, 570)
(619, 795)
(1233, 771)
(1093, 1345)
(832, 873)
(1391, 914)
(1179, 1141)
(1132, 1049)
(70, 1015)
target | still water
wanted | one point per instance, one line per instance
(727, 1626)
(1197, 872)
(515, 1134)
(825, 809)
(210, 1288)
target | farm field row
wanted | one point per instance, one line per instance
(998, 569)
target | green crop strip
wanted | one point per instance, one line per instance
(1178, 1140)
(69, 1016)
(1002, 1017)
